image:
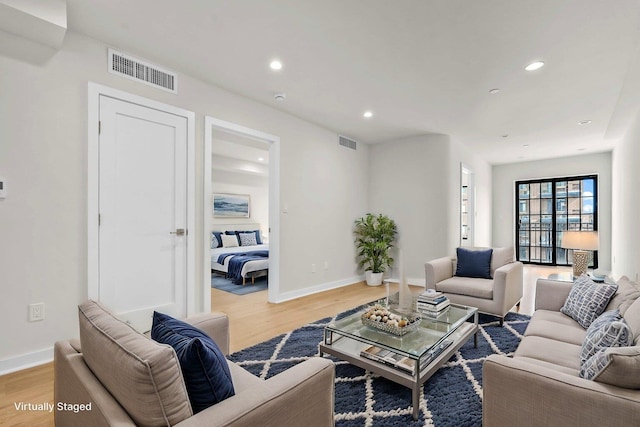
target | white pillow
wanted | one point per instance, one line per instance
(229, 240)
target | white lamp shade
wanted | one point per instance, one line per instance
(582, 240)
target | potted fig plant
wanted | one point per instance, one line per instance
(374, 237)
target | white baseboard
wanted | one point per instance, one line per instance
(319, 288)
(334, 285)
(25, 361)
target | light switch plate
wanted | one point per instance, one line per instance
(3, 188)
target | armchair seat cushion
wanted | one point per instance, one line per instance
(474, 287)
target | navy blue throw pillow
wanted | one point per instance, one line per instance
(204, 367)
(474, 263)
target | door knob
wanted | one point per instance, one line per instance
(178, 232)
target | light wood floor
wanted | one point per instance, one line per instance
(252, 320)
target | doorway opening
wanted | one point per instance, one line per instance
(241, 164)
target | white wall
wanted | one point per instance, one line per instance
(416, 181)
(257, 187)
(505, 176)
(625, 236)
(43, 157)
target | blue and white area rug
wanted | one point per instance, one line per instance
(227, 285)
(451, 397)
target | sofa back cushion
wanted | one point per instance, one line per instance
(627, 293)
(632, 317)
(474, 263)
(142, 375)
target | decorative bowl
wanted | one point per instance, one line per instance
(395, 323)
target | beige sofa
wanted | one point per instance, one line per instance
(494, 296)
(124, 378)
(540, 385)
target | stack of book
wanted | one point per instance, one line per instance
(388, 358)
(433, 303)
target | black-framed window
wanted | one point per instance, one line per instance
(547, 207)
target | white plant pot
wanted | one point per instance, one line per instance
(373, 279)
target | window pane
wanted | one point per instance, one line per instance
(535, 191)
(573, 187)
(561, 189)
(546, 206)
(546, 190)
(523, 206)
(561, 205)
(587, 187)
(534, 206)
(523, 191)
(574, 205)
(587, 205)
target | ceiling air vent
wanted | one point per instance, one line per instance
(346, 142)
(141, 71)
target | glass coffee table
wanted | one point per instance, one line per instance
(410, 359)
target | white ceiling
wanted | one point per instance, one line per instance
(421, 66)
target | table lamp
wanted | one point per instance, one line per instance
(581, 242)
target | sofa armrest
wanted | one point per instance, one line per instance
(551, 294)
(437, 270)
(301, 395)
(507, 285)
(214, 324)
(519, 393)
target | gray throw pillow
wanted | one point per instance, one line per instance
(587, 300)
(608, 330)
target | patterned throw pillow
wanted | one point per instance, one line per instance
(587, 300)
(619, 366)
(608, 330)
(248, 239)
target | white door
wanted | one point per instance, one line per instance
(142, 199)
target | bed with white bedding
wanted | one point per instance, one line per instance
(246, 258)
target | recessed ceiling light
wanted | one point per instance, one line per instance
(584, 122)
(494, 91)
(261, 159)
(534, 66)
(368, 114)
(506, 135)
(275, 65)
(526, 145)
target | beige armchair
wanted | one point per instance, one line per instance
(113, 394)
(495, 296)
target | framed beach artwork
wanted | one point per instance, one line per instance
(231, 205)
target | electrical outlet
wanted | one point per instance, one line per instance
(36, 312)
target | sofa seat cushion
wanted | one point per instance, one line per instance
(204, 367)
(549, 350)
(569, 333)
(142, 375)
(479, 288)
(550, 365)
